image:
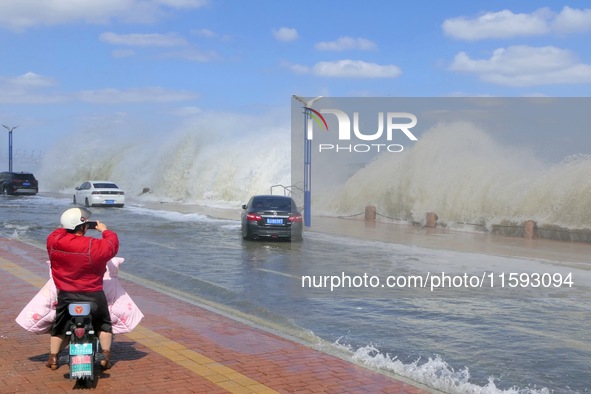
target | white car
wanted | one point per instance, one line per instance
(99, 193)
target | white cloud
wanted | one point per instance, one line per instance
(143, 40)
(349, 69)
(161, 41)
(502, 24)
(506, 24)
(188, 111)
(572, 21)
(117, 96)
(183, 3)
(204, 33)
(193, 55)
(285, 34)
(29, 80)
(27, 89)
(16, 96)
(346, 43)
(526, 66)
(23, 14)
(210, 34)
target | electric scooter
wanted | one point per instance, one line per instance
(83, 343)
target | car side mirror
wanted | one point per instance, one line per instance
(243, 206)
(77, 188)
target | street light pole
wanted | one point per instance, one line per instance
(307, 158)
(9, 145)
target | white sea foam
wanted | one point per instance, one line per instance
(435, 373)
(18, 233)
(175, 216)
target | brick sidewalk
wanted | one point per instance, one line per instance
(177, 348)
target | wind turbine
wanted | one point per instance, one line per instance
(307, 160)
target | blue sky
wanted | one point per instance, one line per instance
(71, 66)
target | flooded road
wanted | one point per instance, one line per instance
(458, 340)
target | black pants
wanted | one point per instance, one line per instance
(101, 318)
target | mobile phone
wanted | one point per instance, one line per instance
(91, 225)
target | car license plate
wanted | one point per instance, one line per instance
(26, 183)
(80, 348)
(274, 221)
(109, 201)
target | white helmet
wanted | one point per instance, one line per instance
(74, 217)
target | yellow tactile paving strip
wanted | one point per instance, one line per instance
(202, 365)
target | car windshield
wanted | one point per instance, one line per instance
(274, 204)
(105, 186)
(25, 177)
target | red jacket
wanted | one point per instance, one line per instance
(78, 263)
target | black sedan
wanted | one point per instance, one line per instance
(271, 217)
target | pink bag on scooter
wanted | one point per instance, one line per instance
(125, 314)
(38, 315)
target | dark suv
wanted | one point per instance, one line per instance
(18, 183)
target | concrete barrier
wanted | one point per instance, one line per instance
(530, 230)
(431, 220)
(370, 213)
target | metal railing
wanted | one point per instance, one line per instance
(287, 190)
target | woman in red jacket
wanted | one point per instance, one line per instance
(78, 264)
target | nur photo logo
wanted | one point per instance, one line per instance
(390, 126)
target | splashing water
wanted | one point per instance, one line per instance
(456, 170)
(459, 172)
(435, 373)
(208, 161)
